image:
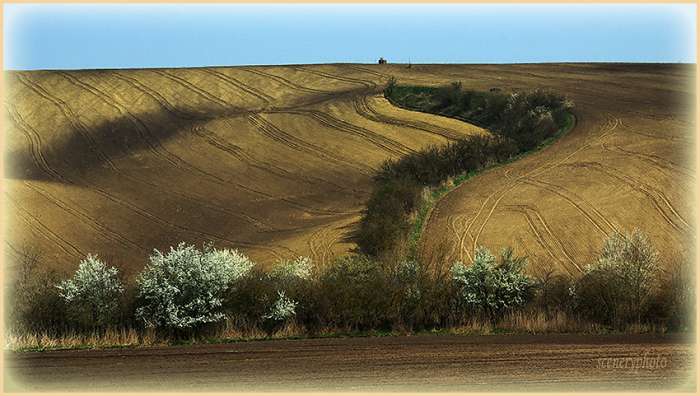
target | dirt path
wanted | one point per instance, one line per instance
(418, 363)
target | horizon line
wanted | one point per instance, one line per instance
(355, 63)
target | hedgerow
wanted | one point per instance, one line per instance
(185, 289)
(518, 122)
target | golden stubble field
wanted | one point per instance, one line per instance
(277, 161)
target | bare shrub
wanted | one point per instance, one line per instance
(34, 304)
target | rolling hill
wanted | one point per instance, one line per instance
(277, 161)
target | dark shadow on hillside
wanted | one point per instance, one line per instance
(88, 148)
(85, 149)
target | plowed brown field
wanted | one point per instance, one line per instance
(277, 161)
(505, 363)
(627, 164)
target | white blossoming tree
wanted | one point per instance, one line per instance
(492, 286)
(92, 294)
(184, 288)
(619, 283)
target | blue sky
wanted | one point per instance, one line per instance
(82, 36)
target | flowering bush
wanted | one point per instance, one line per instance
(618, 285)
(492, 286)
(282, 310)
(299, 268)
(92, 294)
(185, 287)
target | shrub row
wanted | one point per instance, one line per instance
(518, 122)
(525, 117)
(190, 291)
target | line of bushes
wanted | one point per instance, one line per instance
(518, 122)
(190, 292)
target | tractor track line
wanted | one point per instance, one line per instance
(239, 154)
(299, 205)
(378, 140)
(273, 132)
(608, 127)
(453, 220)
(567, 196)
(112, 198)
(653, 160)
(366, 84)
(369, 71)
(384, 143)
(538, 235)
(286, 82)
(71, 117)
(190, 86)
(558, 241)
(186, 166)
(107, 232)
(35, 144)
(365, 110)
(528, 211)
(387, 76)
(156, 96)
(321, 243)
(265, 98)
(35, 223)
(313, 242)
(225, 146)
(653, 194)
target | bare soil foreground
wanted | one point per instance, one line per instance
(417, 363)
(277, 161)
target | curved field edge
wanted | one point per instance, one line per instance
(438, 193)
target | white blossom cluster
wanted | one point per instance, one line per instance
(94, 289)
(283, 309)
(630, 258)
(490, 285)
(628, 248)
(299, 268)
(185, 287)
(541, 114)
